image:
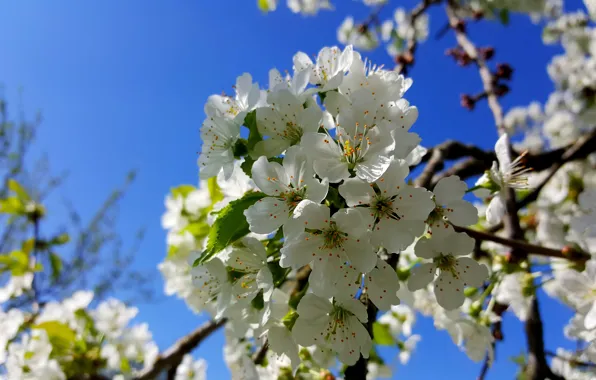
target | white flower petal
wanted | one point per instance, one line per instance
(449, 189)
(449, 291)
(495, 209)
(421, 276)
(267, 215)
(471, 272)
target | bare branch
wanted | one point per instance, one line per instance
(537, 367)
(488, 80)
(359, 370)
(406, 59)
(569, 254)
(477, 164)
(449, 150)
(574, 362)
(173, 355)
(582, 147)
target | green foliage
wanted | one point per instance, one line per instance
(56, 265)
(258, 302)
(504, 16)
(382, 334)
(522, 361)
(182, 190)
(214, 190)
(263, 6)
(60, 335)
(60, 239)
(199, 229)
(279, 273)
(17, 262)
(254, 136)
(246, 166)
(398, 42)
(229, 226)
(240, 149)
(19, 190)
(12, 205)
(124, 365)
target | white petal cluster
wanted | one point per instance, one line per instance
(48, 343)
(329, 154)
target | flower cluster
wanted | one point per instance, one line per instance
(69, 337)
(322, 157)
(304, 7)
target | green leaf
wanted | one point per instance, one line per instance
(254, 136)
(28, 245)
(382, 334)
(246, 166)
(279, 274)
(182, 190)
(124, 365)
(399, 43)
(60, 239)
(240, 149)
(229, 226)
(172, 250)
(56, 264)
(18, 190)
(60, 335)
(214, 190)
(12, 205)
(17, 262)
(264, 6)
(504, 16)
(198, 230)
(258, 302)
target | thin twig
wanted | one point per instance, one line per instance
(528, 248)
(408, 55)
(575, 362)
(448, 150)
(575, 150)
(486, 75)
(537, 368)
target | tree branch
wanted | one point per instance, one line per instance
(488, 80)
(577, 363)
(477, 165)
(359, 370)
(406, 59)
(537, 368)
(527, 248)
(448, 150)
(582, 147)
(173, 355)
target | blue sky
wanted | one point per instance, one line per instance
(122, 85)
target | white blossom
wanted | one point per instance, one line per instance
(329, 69)
(286, 186)
(396, 212)
(285, 122)
(337, 325)
(505, 175)
(454, 271)
(190, 369)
